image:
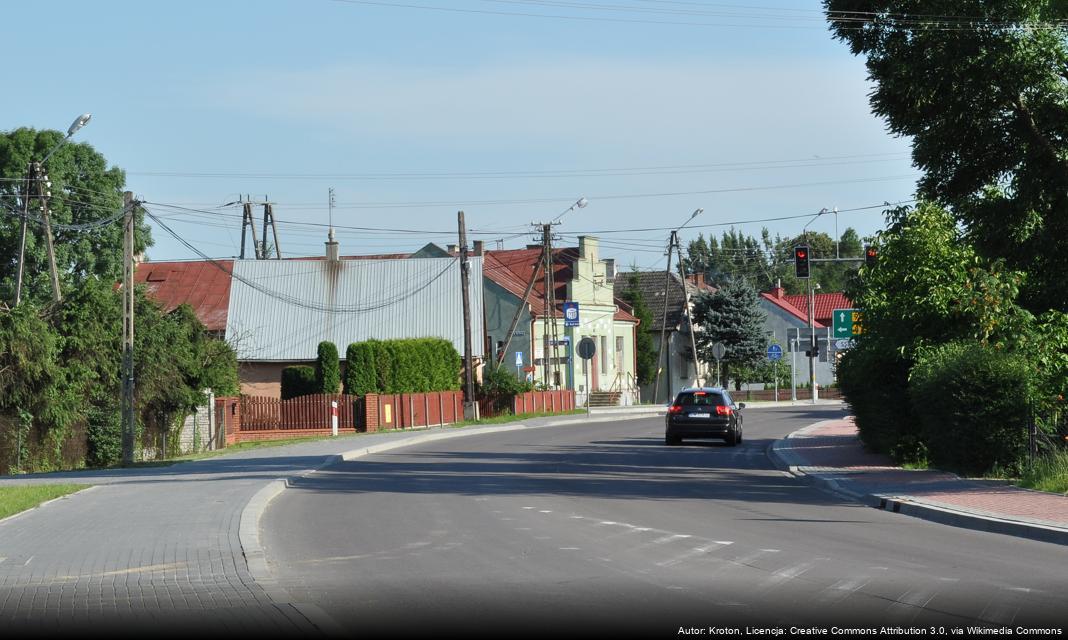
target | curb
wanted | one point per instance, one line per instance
(917, 508)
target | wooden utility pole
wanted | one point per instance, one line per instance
(470, 406)
(128, 413)
(26, 191)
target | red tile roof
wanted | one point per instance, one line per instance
(202, 285)
(823, 305)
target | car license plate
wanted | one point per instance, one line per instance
(700, 415)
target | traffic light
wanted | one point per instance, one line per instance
(801, 261)
(871, 254)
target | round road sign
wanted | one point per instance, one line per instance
(587, 348)
(774, 352)
(719, 350)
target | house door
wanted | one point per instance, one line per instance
(594, 386)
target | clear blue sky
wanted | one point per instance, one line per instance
(412, 113)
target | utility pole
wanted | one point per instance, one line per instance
(663, 328)
(27, 189)
(550, 303)
(268, 219)
(470, 405)
(686, 301)
(248, 223)
(44, 192)
(128, 413)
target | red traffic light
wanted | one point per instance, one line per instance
(870, 256)
(801, 266)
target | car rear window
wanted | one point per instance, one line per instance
(691, 398)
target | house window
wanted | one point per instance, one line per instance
(619, 353)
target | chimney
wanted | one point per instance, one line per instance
(609, 269)
(587, 247)
(533, 246)
(697, 279)
(478, 248)
(331, 247)
(778, 292)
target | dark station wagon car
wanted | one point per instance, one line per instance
(707, 412)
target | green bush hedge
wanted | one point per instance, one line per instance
(972, 402)
(411, 365)
(360, 378)
(874, 382)
(298, 381)
(327, 369)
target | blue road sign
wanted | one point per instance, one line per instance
(571, 314)
(774, 352)
(519, 358)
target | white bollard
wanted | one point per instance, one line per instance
(333, 417)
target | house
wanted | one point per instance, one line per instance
(787, 324)
(275, 312)
(579, 276)
(665, 296)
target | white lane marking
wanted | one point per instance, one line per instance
(789, 573)
(545, 511)
(696, 551)
(2, 558)
(570, 549)
(28, 560)
(912, 601)
(528, 508)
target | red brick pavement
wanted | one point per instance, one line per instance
(832, 449)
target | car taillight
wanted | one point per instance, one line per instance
(675, 408)
(722, 410)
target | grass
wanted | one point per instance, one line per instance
(22, 497)
(1049, 473)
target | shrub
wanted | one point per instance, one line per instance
(327, 369)
(104, 436)
(874, 382)
(298, 381)
(972, 402)
(360, 378)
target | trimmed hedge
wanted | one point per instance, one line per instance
(360, 376)
(875, 384)
(411, 365)
(327, 368)
(298, 381)
(972, 402)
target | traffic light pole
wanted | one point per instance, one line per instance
(812, 344)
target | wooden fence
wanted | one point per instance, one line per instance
(825, 393)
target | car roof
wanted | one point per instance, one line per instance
(715, 389)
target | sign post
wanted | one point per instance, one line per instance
(718, 351)
(586, 350)
(775, 354)
(333, 418)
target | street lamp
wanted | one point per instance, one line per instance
(33, 176)
(78, 123)
(579, 204)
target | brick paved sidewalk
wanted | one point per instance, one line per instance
(831, 452)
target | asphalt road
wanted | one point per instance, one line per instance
(602, 528)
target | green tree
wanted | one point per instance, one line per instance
(731, 315)
(327, 368)
(84, 190)
(984, 100)
(645, 352)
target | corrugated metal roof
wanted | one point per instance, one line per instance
(281, 310)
